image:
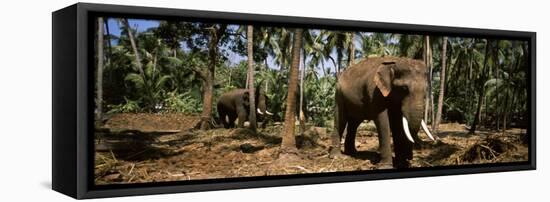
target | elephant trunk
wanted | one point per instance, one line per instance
(261, 104)
(412, 124)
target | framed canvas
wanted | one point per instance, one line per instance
(158, 100)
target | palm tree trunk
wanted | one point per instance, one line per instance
(505, 112)
(266, 70)
(481, 89)
(429, 61)
(289, 142)
(352, 49)
(441, 85)
(498, 110)
(99, 84)
(109, 47)
(208, 80)
(246, 81)
(139, 65)
(338, 60)
(301, 116)
(250, 52)
(134, 47)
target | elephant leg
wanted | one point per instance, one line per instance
(349, 143)
(225, 122)
(264, 121)
(401, 145)
(232, 119)
(242, 118)
(223, 117)
(382, 123)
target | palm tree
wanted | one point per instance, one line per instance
(377, 44)
(301, 116)
(144, 81)
(99, 84)
(266, 42)
(338, 40)
(481, 87)
(307, 49)
(250, 49)
(289, 142)
(513, 80)
(410, 46)
(428, 59)
(441, 85)
(134, 47)
(351, 48)
(281, 43)
(317, 52)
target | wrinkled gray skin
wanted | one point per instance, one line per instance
(235, 104)
(384, 90)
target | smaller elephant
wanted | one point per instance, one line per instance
(236, 104)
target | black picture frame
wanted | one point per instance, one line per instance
(72, 101)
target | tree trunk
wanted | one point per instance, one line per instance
(505, 113)
(208, 80)
(266, 81)
(289, 141)
(301, 116)
(137, 58)
(99, 84)
(246, 81)
(428, 60)
(109, 47)
(338, 60)
(481, 89)
(352, 50)
(441, 85)
(134, 47)
(250, 52)
(498, 111)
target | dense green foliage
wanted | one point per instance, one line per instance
(171, 53)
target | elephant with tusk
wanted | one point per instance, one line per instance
(236, 104)
(390, 91)
(266, 112)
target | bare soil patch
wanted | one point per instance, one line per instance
(226, 153)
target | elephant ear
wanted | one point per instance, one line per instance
(384, 77)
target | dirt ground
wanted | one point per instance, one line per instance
(136, 148)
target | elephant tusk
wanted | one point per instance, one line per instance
(268, 113)
(259, 112)
(406, 129)
(425, 128)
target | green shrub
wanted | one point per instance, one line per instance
(183, 102)
(127, 107)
